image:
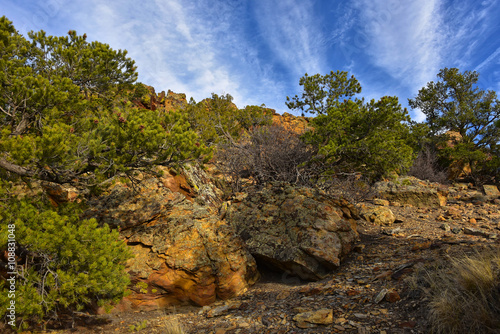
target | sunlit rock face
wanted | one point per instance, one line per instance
(183, 252)
(296, 230)
(410, 190)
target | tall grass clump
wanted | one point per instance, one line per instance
(172, 325)
(466, 297)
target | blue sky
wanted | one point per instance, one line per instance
(257, 50)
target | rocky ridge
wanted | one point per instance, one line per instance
(371, 292)
(190, 248)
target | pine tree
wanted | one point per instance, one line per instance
(455, 103)
(218, 120)
(66, 117)
(351, 135)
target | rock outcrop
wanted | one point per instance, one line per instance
(183, 252)
(410, 190)
(296, 230)
(166, 101)
(297, 124)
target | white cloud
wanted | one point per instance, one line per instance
(292, 32)
(491, 58)
(173, 46)
(406, 39)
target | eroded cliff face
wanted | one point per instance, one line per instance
(298, 124)
(183, 252)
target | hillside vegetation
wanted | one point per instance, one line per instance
(71, 112)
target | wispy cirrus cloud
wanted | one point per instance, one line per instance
(406, 39)
(256, 50)
(412, 41)
(294, 35)
(187, 46)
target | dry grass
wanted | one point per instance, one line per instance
(465, 296)
(172, 325)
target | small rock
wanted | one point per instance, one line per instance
(491, 190)
(379, 215)
(476, 232)
(381, 202)
(217, 311)
(360, 315)
(283, 295)
(320, 317)
(445, 227)
(392, 296)
(473, 221)
(393, 231)
(456, 230)
(380, 296)
(204, 309)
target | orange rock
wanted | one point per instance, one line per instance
(60, 193)
(298, 124)
(392, 296)
(184, 254)
(421, 246)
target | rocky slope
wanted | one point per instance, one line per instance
(190, 248)
(374, 289)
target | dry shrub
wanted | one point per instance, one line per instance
(465, 296)
(277, 154)
(171, 325)
(266, 154)
(351, 186)
(426, 167)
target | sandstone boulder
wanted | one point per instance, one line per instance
(491, 191)
(379, 215)
(410, 190)
(295, 230)
(183, 252)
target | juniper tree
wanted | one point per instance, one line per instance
(65, 118)
(455, 103)
(349, 134)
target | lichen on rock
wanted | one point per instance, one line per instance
(299, 231)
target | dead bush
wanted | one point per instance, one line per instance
(351, 186)
(426, 167)
(266, 154)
